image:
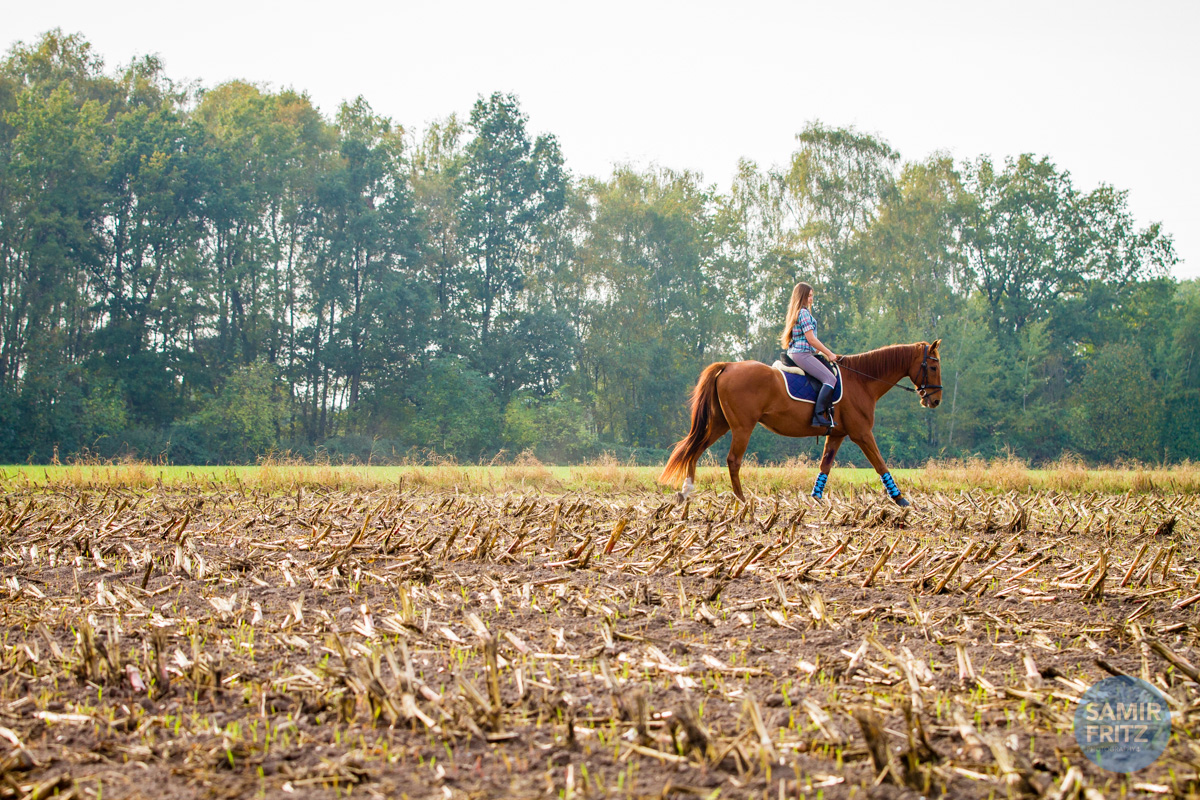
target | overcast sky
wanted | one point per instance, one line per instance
(1100, 87)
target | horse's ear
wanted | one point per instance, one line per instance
(933, 347)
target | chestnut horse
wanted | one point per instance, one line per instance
(738, 395)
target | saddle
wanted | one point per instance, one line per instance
(802, 386)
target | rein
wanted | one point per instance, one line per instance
(920, 390)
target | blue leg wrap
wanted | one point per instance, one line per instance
(819, 487)
(889, 483)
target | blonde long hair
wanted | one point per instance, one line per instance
(799, 296)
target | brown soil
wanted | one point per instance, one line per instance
(200, 644)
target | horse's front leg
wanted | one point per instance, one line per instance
(866, 443)
(832, 443)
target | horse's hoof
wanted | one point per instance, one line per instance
(901, 501)
(679, 498)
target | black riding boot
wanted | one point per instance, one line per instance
(823, 408)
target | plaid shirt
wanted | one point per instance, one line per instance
(804, 323)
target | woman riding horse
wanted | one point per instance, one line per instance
(800, 338)
(737, 396)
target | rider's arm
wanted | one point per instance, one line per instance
(816, 343)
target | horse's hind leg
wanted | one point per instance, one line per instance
(737, 449)
(717, 428)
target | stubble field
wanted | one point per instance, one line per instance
(217, 640)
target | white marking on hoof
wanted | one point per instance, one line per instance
(686, 491)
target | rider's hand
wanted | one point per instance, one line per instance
(833, 357)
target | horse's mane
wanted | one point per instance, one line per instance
(882, 360)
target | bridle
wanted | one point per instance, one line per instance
(922, 388)
(925, 384)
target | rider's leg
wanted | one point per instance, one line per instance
(813, 366)
(822, 418)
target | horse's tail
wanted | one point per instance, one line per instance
(690, 448)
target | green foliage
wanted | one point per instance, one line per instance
(103, 412)
(655, 317)
(218, 273)
(241, 420)
(455, 411)
(555, 429)
(972, 371)
(508, 188)
(1116, 413)
(908, 263)
(1181, 426)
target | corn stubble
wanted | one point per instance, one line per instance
(231, 641)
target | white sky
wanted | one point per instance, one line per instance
(1100, 87)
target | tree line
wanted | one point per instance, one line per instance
(208, 275)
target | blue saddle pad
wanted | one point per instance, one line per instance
(799, 387)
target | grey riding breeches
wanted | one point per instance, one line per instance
(813, 366)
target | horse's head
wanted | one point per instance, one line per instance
(926, 373)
